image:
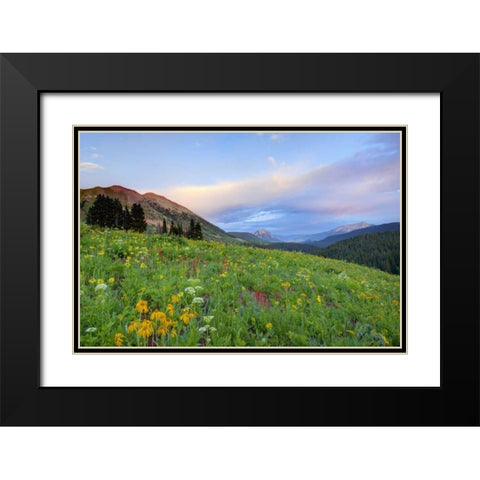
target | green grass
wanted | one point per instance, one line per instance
(213, 294)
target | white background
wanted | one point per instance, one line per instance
(213, 26)
(421, 367)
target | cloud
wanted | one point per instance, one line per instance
(263, 216)
(90, 167)
(92, 148)
(276, 137)
(272, 161)
(95, 155)
(364, 184)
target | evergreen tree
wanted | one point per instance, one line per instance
(180, 232)
(172, 229)
(127, 219)
(191, 229)
(139, 223)
(164, 227)
(198, 232)
(117, 211)
(98, 212)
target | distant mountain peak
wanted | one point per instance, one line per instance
(351, 227)
(262, 233)
(265, 235)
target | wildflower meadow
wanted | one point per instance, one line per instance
(150, 290)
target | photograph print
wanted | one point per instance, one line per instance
(240, 239)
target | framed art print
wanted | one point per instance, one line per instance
(245, 230)
(183, 271)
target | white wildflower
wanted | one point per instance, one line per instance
(91, 329)
(100, 286)
(190, 291)
(198, 301)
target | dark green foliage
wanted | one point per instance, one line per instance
(127, 219)
(394, 226)
(138, 222)
(191, 229)
(195, 230)
(288, 247)
(105, 212)
(164, 227)
(377, 250)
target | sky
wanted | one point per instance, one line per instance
(285, 182)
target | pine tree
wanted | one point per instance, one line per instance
(180, 232)
(117, 213)
(127, 219)
(198, 232)
(164, 227)
(97, 214)
(191, 229)
(139, 223)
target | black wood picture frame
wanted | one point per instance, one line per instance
(24, 77)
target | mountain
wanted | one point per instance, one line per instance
(313, 237)
(395, 226)
(156, 208)
(376, 250)
(265, 235)
(249, 237)
(336, 231)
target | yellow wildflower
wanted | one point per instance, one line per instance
(395, 302)
(285, 284)
(351, 332)
(118, 340)
(158, 316)
(100, 280)
(142, 306)
(142, 265)
(269, 326)
(175, 299)
(185, 317)
(92, 280)
(162, 330)
(101, 253)
(319, 299)
(170, 309)
(303, 295)
(133, 326)
(111, 280)
(146, 329)
(173, 332)
(299, 301)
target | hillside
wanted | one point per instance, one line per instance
(161, 291)
(395, 226)
(337, 231)
(376, 250)
(290, 247)
(156, 208)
